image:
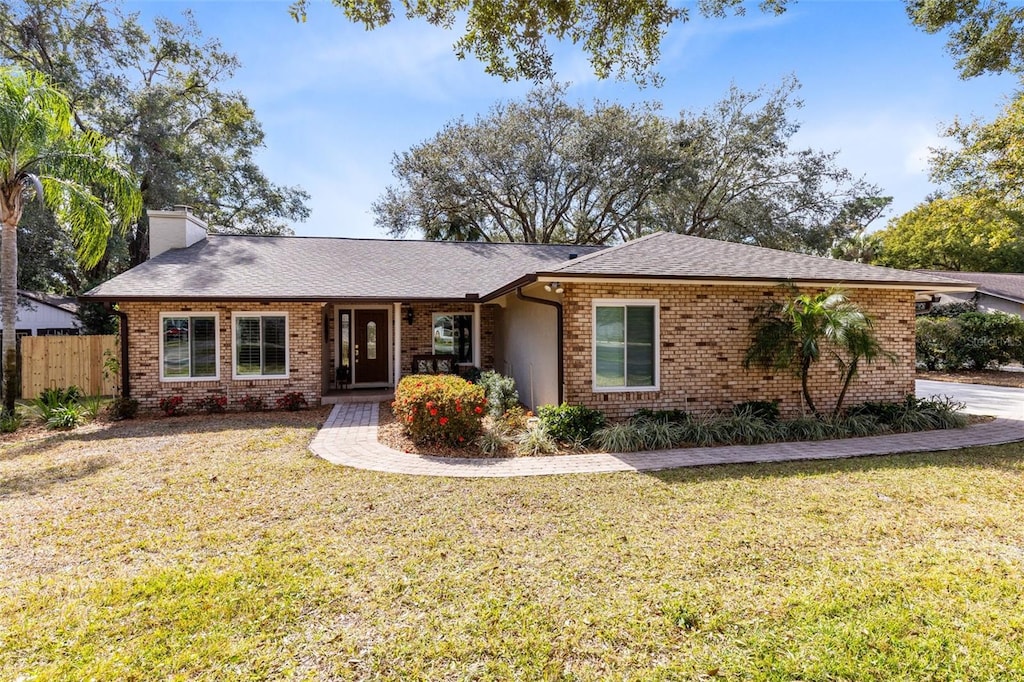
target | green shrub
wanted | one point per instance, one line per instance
(493, 441)
(744, 427)
(440, 408)
(807, 427)
(172, 406)
(121, 408)
(52, 398)
(536, 441)
(659, 435)
(251, 403)
(988, 339)
(933, 339)
(292, 401)
(571, 423)
(953, 309)
(913, 414)
(970, 341)
(500, 392)
(92, 405)
(766, 410)
(66, 416)
(212, 404)
(10, 421)
(673, 416)
(624, 437)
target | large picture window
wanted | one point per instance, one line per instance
(625, 345)
(453, 335)
(188, 346)
(261, 345)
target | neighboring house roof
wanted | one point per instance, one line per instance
(1008, 285)
(665, 255)
(227, 267)
(66, 303)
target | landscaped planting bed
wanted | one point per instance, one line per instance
(217, 547)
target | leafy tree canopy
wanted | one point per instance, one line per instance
(737, 177)
(157, 95)
(985, 36)
(987, 157)
(966, 232)
(622, 39)
(543, 170)
(513, 38)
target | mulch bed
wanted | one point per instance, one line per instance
(993, 377)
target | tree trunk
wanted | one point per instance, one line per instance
(805, 370)
(9, 307)
(850, 372)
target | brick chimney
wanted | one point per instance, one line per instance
(174, 229)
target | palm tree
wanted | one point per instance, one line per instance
(73, 174)
(793, 334)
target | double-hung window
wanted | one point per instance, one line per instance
(261, 345)
(188, 346)
(625, 345)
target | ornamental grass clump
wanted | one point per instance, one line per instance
(442, 408)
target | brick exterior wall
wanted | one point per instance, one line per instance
(305, 347)
(705, 332)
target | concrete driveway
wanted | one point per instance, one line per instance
(997, 401)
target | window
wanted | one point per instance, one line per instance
(261, 345)
(625, 345)
(453, 335)
(188, 347)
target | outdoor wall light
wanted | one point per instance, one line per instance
(409, 315)
(554, 286)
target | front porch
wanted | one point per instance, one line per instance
(370, 347)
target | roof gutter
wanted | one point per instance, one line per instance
(953, 286)
(560, 339)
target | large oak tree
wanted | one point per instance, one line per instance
(544, 170)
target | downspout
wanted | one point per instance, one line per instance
(561, 336)
(122, 317)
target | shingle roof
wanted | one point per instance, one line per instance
(65, 303)
(318, 268)
(667, 255)
(1008, 285)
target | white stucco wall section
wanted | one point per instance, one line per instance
(528, 351)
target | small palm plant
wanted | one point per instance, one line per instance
(794, 334)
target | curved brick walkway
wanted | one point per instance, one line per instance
(349, 437)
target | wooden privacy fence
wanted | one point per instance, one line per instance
(62, 361)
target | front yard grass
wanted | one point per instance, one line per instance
(219, 548)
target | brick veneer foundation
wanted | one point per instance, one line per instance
(305, 344)
(705, 332)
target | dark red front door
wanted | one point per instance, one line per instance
(370, 346)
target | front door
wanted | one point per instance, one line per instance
(370, 347)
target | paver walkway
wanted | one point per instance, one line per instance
(349, 437)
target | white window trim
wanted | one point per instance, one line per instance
(287, 345)
(474, 334)
(216, 335)
(622, 303)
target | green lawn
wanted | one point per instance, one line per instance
(220, 548)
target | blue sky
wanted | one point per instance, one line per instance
(337, 102)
